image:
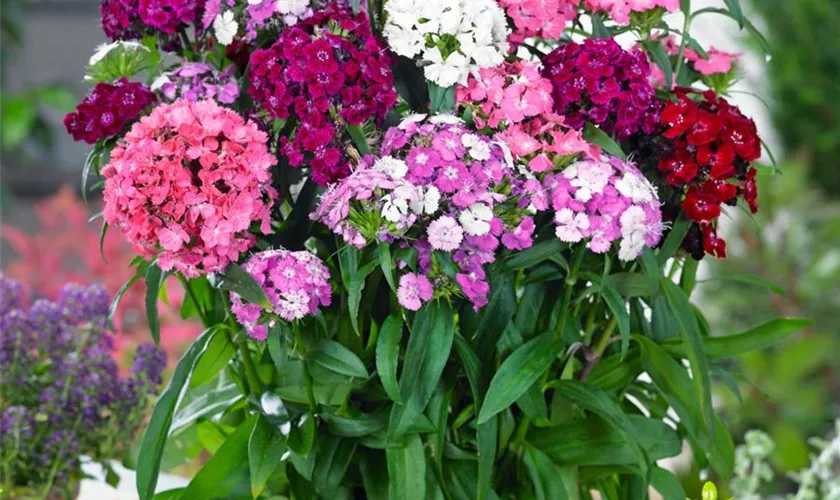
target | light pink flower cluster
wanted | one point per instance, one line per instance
(620, 10)
(716, 61)
(603, 201)
(544, 143)
(506, 94)
(296, 284)
(540, 18)
(442, 190)
(187, 182)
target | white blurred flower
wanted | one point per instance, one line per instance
(394, 167)
(476, 219)
(225, 27)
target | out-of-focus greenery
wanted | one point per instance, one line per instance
(804, 76)
(794, 242)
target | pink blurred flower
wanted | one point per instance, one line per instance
(414, 290)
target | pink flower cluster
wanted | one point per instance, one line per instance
(620, 10)
(601, 83)
(539, 18)
(441, 189)
(327, 70)
(187, 182)
(107, 110)
(296, 284)
(508, 93)
(196, 81)
(601, 200)
(544, 143)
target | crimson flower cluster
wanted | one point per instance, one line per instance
(131, 19)
(599, 82)
(107, 110)
(329, 67)
(712, 145)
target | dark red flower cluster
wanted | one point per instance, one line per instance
(599, 82)
(131, 19)
(326, 70)
(107, 110)
(712, 145)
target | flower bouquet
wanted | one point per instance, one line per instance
(435, 244)
(63, 397)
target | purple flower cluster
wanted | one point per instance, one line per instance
(601, 83)
(327, 70)
(438, 188)
(601, 201)
(196, 81)
(107, 110)
(132, 19)
(264, 15)
(63, 395)
(296, 284)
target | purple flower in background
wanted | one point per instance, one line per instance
(195, 81)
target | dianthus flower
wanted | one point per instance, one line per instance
(715, 62)
(296, 284)
(452, 38)
(603, 201)
(620, 10)
(707, 158)
(119, 19)
(544, 143)
(170, 16)
(260, 16)
(325, 80)
(414, 290)
(187, 182)
(196, 81)
(107, 110)
(441, 189)
(63, 395)
(539, 18)
(601, 83)
(508, 94)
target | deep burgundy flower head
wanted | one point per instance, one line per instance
(119, 19)
(169, 16)
(709, 145)
(327, 70)
(107, 110)
(601, 83)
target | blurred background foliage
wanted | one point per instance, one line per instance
(792, 391)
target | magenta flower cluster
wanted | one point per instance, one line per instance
(107, 110)
(132, 19)
(326, 71)
(599, 82)
(601, 201)
(186, 184)
(195, 81)
(506, 94)
(439, 188)
(296, 284)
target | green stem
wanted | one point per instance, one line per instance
(604, 340)
(188, 288)
(250, 371)
(683, 41)
(307, 376)
(571, 279)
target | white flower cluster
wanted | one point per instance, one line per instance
(406, 197)
(452, 37)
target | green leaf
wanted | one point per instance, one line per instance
(354, 278)
(407, 470)
(495, 317)
(387, 265)
(550, 481)
(364, 425)
(265, 454)
(600, 138)
(618, 307)
(599, 29)
(426, 354)
(355, 4)
(102, 235)
(667, 484)
(518, 372)
(688, 276)
(374, 475)
(486, 435)
(750, 280)
(443, 99)
(632, 284)
(295, 230)
(225, 475)
(597, 401)
(661, 58)
(537, 254)
(758, 37)
(674, 239)
(616, 372)
(155, 278)
(729, 346)
(215, 358)
(18, 115)
(331, 463)
(693, 342)
(339, 359)
(388, 354)
(112, 310)
(91, 162)
(154, 438)
(170, 494)
(209, 403)
(239, 281)
(685, 6)
(735, 11)
(302, 435)
(358, 135)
